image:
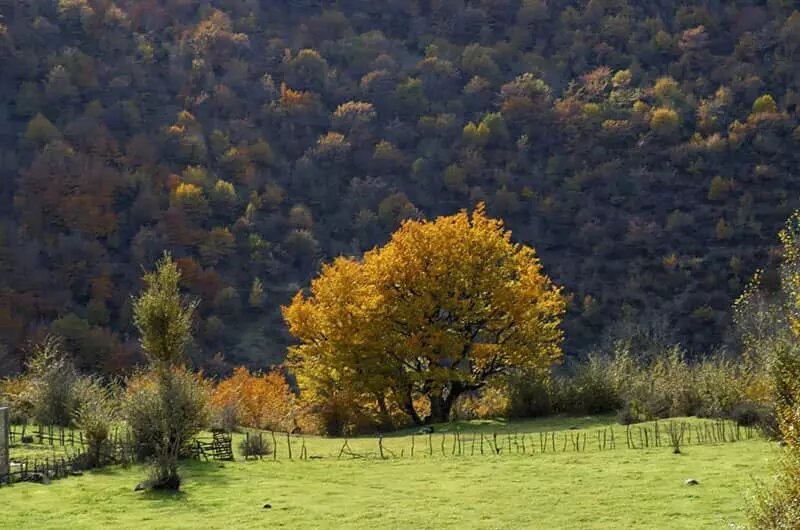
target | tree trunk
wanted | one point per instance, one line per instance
(442, 406)
(408, 406)
(386, 424)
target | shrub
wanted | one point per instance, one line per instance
(491, 401)
(338, 412)
(225, 417)
(626, 417)
(747, 415)
(777, 506)
(721, 384)
(254, 445)
(254, 400)
(95, 416)
(53, 381)
(164, 410)
(591, 389)
(676, 433)
(530, 394)
(15, 394)
(673, 389)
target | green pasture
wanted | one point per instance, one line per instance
(594, 488)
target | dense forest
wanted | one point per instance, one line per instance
(647, 150)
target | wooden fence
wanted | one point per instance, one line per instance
(51, 435)
(668, 434)
(120, 449)
(43, 469)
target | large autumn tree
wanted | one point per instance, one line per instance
(438, 311)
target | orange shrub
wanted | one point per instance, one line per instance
(259, 401)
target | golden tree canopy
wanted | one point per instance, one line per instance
(436, 312)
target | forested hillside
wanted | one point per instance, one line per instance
(648, 150)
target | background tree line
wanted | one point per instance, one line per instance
(648, 150)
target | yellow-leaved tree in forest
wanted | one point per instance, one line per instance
(438, 311)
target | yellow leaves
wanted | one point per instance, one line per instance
(664, 121)
(452, 300)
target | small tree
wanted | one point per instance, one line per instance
(172, 405)
(163, 317)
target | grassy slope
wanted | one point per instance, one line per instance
(614, 489)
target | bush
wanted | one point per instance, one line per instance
(491, 401)
(254, 445)
(748, 415)
(164, 410)
(254, 400)
(226, 417)
(53, 384)
(530, 394)
(776, 506)
(590, 390)
(627, 417)
(14, 394)
(721, 385)
(337, 412)
(95, 416)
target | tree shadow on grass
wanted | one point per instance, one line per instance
(213, 470)
(164, 497)
(206, 473)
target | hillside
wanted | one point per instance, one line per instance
(647, 150)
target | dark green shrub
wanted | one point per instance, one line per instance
(748, 415)
(627, 417)
(591, 388)
(530, 395)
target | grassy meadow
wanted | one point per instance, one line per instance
(622, 488)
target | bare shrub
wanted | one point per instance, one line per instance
(95, 417)
(254, 445)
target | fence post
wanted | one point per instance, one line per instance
(4, 466)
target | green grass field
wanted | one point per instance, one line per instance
(623, 488)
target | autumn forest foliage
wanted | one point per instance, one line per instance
(648, 150)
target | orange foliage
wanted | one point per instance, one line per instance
(261, 401)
